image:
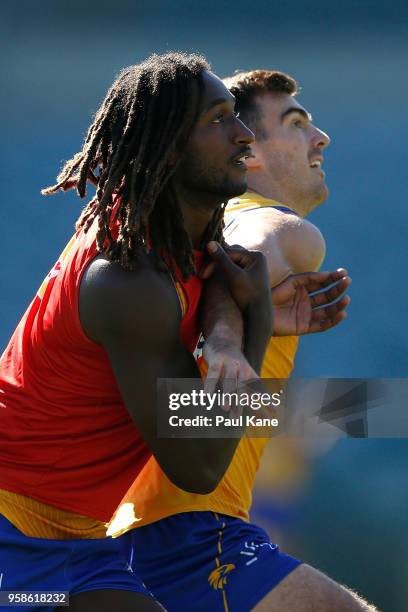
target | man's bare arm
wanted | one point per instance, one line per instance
(249, 318)
(291, 246)
(135, 316)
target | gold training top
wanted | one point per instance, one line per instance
(153, 497)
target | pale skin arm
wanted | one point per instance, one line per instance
(292, 246)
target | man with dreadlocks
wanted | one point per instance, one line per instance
(116, 312)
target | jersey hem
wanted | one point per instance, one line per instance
(159, 516)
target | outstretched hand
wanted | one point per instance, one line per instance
(310, 302)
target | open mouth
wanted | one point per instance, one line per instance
(239, 160)
(316, 164)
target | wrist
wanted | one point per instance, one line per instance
(223, 335)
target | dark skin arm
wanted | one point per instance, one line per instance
(135, 316)
(252, 298)
(225, 323)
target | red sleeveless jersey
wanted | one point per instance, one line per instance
(66, 437)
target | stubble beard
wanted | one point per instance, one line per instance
(210, 180)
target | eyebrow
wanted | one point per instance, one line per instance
(218, 101)
(300, 111)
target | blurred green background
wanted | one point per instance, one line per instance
(346, 512)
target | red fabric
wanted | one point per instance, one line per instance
(66, 438)
(189, 329)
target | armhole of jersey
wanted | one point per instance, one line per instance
(181, 296)
(233, 222)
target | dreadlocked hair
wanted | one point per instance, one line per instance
(130, 152)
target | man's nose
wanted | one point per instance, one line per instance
(243, 134)
(320, 138)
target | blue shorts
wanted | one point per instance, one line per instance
(37, 564)
(201, 561)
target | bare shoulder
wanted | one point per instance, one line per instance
(302, 244)
(290, 244)
(122, 302)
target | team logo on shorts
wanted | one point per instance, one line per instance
(218, 577)
(251, 550)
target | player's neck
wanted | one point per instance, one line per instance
(197, 213)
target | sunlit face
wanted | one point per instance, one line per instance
(214, 159)
(291, 152)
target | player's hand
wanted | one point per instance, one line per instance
(227, 365)
(230, 373)
(245, 271)
(310, 302)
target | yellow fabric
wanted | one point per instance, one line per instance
(38, 520)
(249, 200)
(153, 497)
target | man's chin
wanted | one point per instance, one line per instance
(322, 196)
(318, 199)
(235, 189)
(325, 194)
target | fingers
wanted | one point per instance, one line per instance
(214, 374)
(322, 287)
(228, 373)
(329, 294)
(223, 261)
(320, 281)
(324, 278)
(315, 289)
(331, 309)
(236, 254)
(327, 324)
(330, 316)
(209, 269)
(235, 247)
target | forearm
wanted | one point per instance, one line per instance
(224, 326)
(197, 465)
(221, 319)
(258, 322)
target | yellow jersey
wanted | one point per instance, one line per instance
(153, 496)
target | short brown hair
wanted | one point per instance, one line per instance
(248, 86)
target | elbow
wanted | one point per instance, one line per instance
(209, 481)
